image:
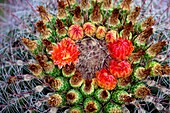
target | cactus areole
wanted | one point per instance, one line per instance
(95, 54)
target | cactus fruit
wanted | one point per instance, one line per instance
(140, 90)
(74, 97)
(102, 95)
(113, 108)
(76, 109)
(121, 96)
(91, 105)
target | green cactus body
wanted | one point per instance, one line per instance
(116, 96)
(102, 95)
(74, 96)
(156, 68)
(76, 109)
(91, 105)
(112, 108)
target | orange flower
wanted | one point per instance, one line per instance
(120, 69)
(75, 32)
(105, 80)
(65, 52)
(120, 49)
(111, 36)
(101, 31)
(89, 28)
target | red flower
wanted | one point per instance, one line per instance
(65, 52)
(120, 69)
(105, 80)
(120, 49)
(75, 32)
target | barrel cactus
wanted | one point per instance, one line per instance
(97, 56)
